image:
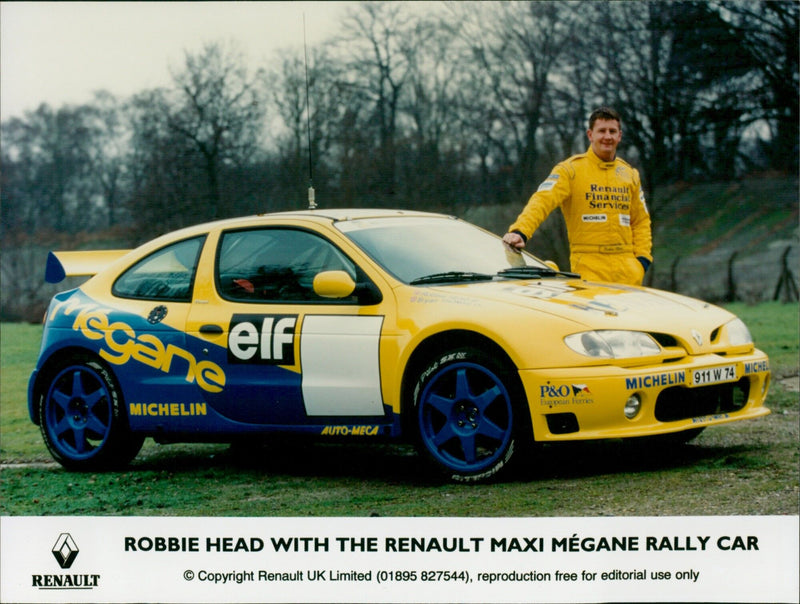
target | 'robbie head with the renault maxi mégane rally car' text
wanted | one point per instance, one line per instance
(373, 324)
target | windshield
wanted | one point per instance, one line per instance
(412, 248)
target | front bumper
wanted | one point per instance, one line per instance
(588, 402)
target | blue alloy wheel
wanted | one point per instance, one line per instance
(81, 420)
(465, 415)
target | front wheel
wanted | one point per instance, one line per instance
(467, 421)
(82, 420)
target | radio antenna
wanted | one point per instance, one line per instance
(312, 205)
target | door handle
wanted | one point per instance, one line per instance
(212, 330)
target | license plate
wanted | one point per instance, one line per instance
(714, 375)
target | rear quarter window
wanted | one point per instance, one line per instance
(166, 274)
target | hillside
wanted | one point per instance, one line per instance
(699, 218)
(743, 216)
(717, 241)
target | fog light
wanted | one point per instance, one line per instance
(632, 406)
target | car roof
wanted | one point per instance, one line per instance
(343, 214)
(316, 215)
(319, 216)
(355, 213)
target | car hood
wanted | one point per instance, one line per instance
(599, 305)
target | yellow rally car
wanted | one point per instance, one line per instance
(373, 324)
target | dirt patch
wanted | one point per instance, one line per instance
(791, 384)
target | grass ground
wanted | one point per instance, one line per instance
(745, 468)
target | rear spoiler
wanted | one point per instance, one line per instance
(78, 264)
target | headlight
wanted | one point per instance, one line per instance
(613, 344)
(738, 334)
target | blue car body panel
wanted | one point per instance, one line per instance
(162, 381)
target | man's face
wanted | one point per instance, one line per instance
(605, 136)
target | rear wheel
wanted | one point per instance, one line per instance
(82, 419)
(467, 421)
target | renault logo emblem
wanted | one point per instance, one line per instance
(65, 550)
(697, 337)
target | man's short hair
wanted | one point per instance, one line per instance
(604, 113)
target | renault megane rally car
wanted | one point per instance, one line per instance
(373, 324)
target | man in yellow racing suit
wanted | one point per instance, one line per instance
(600, 195)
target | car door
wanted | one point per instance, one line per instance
(290, 356)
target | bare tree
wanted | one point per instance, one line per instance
(682, 79)
(216, 107)
(432, 156)
(109, 154)
(768, 33)
(48, 153)
(373, 45)
(165, 193)
(520, 52)
(520, 49)
(309, 116)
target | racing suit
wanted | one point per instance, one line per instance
(608, 223)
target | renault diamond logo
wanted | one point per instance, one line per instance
(65, 550)
(697, 337)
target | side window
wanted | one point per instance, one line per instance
(275, 265)
(167, 274)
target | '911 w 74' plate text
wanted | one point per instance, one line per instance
(714, 375)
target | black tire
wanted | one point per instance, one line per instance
(469, 415)
(82, 417)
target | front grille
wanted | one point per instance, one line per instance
(666, 340)
(679, 402)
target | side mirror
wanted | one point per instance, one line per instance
(334, 284)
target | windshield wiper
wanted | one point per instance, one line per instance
(451, 277)
(533, 272)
